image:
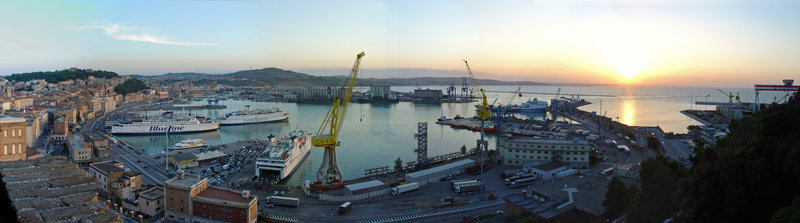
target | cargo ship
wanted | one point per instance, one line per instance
(167, 122)
(251, 116)
(281, 157)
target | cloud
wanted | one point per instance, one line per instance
(119, 32)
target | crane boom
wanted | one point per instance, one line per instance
(328, 133)
(473, 84)
(729, 95)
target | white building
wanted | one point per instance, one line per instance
(515, 151)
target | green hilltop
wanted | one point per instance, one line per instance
(61, 75)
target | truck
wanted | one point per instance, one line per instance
(606, 172)
(455, 183)
(404, 188)
(509, 173)
(625, 148)
(522, 182)
(283, 201)
(476, 169)
(513, 178)
(469, 187)
(345, 207)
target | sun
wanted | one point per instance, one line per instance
(628, 70)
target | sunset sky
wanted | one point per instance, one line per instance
(671, 43)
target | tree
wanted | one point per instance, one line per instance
(616, 199)
(129, 86)
(788, 214)
(750, 174)
(655, 200)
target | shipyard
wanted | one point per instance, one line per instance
(399, 111)
(548, 158)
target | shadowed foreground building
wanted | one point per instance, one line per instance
(53, 189)
(190, 199)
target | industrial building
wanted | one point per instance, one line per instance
(190, 199)
(427, 96)
(435, 173)
(380, 91)
(515, 151)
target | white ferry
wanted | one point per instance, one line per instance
(189, 143)
(282, 156)
(529, 106)
(250, 116)
(168, 122)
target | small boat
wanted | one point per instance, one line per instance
(443, 118)
(189, 143)
(458, 117)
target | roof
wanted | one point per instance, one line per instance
(224, 195)
(183, 156)
(549, 166)
(10, 119)
(436, 169)
(364, 185)
(94, 136)
(152, 193)
(209, 155)
(547, 140)
(185, 182)
(53, 189)
(107, 167)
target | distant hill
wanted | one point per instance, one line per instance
(61, 75)
(275, 76)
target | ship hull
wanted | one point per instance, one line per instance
(162, 128)
(285, 168)
(254, 119)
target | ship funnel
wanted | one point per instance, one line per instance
(788, 82)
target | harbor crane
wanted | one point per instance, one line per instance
(729, 95)
(472, 83)
(484, 113)
(328, 133)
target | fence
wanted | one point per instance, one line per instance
(355, 197)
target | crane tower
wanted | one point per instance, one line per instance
(328, 133)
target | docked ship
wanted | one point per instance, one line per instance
(281, 157)
(167, 122)
(189, 143)
(529, 106)
(251, 116)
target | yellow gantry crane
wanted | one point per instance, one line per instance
(328, 133)
(484, 113)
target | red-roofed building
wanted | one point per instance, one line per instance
(190, 199)
(225, 205)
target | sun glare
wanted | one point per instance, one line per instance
(628, 70)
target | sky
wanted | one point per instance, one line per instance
(732, 43)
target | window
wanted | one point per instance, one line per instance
(5, 133)
(523, 157)
(13, 133)
(5, 150)
(538, 152)
(13, 149)
(19, 132)
(538, 157)
(509, 161)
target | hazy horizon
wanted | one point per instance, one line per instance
(662, 43)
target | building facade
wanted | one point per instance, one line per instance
(114, 179)
(515, 151)
(79, 150)
(13, 138)
(189, 199)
